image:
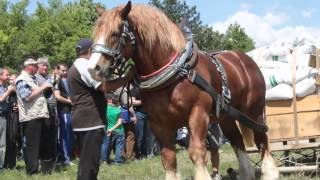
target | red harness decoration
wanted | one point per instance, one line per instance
(173, 58)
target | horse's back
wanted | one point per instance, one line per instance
(244, 77)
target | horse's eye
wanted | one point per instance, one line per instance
(114, 34)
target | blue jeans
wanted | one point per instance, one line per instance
(66, 136)
(140, 129)
(117, 139)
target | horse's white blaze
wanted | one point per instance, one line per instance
(201, 173)
(95, 57)
(246, 171)
(268, 168)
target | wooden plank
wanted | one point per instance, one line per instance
(318, 67)
(308, 103)
(304, 168)
(280, 119)
(308, 124)
(295, 116)
(280, 147)
(280, 126)
(279, 107)
(305, 104)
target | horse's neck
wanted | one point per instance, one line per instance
(149, 63)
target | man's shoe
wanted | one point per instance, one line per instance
(216, 176)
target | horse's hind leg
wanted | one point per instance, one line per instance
(166, 138)
(268, 167)
(231, 131)
(198, 123)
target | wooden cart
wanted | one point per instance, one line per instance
(294, 130)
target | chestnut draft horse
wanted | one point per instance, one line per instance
(155, 44)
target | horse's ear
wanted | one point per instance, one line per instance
(125, 11)
(99, 10)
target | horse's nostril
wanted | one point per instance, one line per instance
(97, 68)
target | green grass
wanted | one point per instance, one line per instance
(146, 169)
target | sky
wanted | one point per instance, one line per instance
(264, 21)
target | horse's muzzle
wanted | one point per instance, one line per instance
(96, 73)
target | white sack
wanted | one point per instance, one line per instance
(305, 87)
(273, 77)
(280, 92)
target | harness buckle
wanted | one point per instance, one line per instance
(192, 75)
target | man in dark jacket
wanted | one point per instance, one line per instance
(88, 110)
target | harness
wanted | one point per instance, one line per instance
(182, 67)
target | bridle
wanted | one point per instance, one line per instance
(118, 66)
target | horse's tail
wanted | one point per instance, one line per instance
(247, 134)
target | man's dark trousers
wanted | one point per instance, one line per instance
(90, 143)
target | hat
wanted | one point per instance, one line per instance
(83, 45)
(29, 61)
(43, 60)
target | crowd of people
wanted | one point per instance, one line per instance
(49, 117)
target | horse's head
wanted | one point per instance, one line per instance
(140, 32)
(112, 40)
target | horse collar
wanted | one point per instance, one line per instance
(157, 72)
(172, 68)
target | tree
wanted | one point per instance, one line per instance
(12, 20)
(206, 38)
(51, 31)
(236, 39)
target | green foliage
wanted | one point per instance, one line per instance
(51, 31)
(206, 38)
(236, 39)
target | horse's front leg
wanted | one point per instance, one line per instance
(198, 123)
(166, 138)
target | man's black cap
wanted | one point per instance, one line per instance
(83, 45)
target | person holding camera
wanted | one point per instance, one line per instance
(33, 112)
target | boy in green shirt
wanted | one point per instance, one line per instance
(114, 134)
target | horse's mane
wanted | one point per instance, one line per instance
(152, 25)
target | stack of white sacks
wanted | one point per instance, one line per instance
(275, 62)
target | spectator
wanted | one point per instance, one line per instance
(215, 140)
(144, 140)
(13, 137)
(62, 94)
(50, 125)
(88, 110)
(131, 119)
(5, 91)
(33, 112)
(114, 132)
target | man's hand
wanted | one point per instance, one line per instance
(11, 88)
(109, 131)
(134, 119)
(15, 108)
(45, 86)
